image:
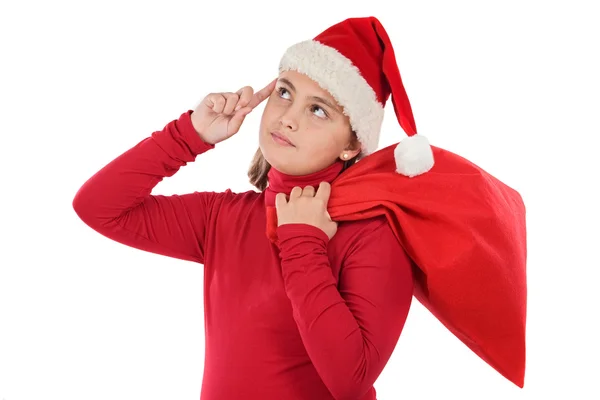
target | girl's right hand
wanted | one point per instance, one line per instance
(220, 115)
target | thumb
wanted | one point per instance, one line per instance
(236, 121)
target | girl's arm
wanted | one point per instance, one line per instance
(116, 201)
(348, 333)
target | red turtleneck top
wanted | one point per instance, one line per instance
(308, 318)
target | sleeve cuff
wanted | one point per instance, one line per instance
(289, 231)
(191, 137)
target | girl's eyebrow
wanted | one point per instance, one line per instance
(315, 98)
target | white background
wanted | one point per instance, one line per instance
(513, 86)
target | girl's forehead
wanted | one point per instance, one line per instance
(302, 82)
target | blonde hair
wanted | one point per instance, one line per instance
(260, 167)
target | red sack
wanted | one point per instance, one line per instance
(465, 231)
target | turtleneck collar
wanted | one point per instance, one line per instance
(284, 183)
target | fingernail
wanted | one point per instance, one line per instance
(238, 107)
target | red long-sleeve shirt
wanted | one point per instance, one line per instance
(311, 318)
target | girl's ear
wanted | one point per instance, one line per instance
(352, 149)
(349, 154)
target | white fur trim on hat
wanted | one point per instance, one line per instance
(335, 73)
(413, 156)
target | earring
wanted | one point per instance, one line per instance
(345, 156)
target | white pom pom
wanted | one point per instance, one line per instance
(413, 156)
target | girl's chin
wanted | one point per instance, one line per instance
(280, 162)
(279, 154)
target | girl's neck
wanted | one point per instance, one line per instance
(284, 183)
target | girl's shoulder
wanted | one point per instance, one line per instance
(238, 201)
(351, 234)
(365, 226)
(230, 195)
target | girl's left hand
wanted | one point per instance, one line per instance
(306, 207)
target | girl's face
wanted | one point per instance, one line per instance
(300, 112)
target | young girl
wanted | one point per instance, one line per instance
(315, 316)
(297, 305)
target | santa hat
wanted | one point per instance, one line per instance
(355, 62)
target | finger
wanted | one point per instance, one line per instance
(245, 94)
(296, 192)
(262, 94)
(236, 121)
(324, 191)
(280, 200)
(309, 191)
(216, 101)
(232, 100)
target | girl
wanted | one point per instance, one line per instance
(308, 282)
(315, 314)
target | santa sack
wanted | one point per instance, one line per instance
(465, 232)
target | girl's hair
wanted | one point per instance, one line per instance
(259, 168)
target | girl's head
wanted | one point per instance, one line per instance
(354, 62)
(300, 112)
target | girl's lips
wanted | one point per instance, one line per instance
(280, 139)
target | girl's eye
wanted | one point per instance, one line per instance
(280, 90)
(315, 107)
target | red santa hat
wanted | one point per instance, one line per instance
(355, 62)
